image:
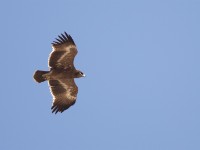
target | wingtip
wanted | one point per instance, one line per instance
(63, 38)
(66, 33)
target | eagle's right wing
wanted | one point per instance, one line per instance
(63, 53)
(64, 94)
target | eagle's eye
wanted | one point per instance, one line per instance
(81, 73)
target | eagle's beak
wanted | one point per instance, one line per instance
(83, 75)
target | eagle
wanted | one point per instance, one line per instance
(61, 74)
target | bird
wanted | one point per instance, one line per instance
(62, 73)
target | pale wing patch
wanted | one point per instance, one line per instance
(68, 91)
(65, 57)
(67, 51)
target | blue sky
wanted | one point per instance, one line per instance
(142, 63)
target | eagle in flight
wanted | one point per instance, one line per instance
(61, 74)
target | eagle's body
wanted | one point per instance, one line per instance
(62, 73)
(56, 74)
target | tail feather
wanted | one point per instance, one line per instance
(38, 76)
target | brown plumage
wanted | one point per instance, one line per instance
(62, 73)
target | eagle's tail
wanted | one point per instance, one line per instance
(38, 76)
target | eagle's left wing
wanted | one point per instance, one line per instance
(64, 94)
(63, 52)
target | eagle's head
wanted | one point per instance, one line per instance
(79, 74)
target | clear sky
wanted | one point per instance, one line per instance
(142, 61)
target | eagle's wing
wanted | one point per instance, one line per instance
(63, 52)
(64, 94)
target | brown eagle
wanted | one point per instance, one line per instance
(62, 73)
